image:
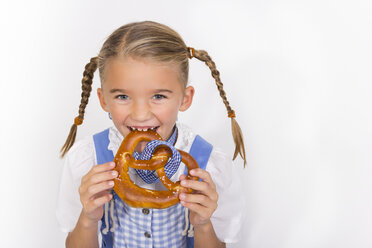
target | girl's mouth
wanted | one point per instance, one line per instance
(141, 145)
(145, 128)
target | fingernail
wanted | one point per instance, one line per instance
(182, 196)
(114, 173)
(112, 164)
(111, 183)
(183, 183)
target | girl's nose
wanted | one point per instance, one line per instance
(141, 112)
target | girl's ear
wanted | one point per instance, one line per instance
(187, 98)
(102, 100)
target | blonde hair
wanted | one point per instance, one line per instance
(158, 42)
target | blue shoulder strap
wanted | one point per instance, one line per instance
(104, 155)
(200, 150)
(101, 142)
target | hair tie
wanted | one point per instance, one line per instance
(78, 121)
(231, 114)
(190, 52)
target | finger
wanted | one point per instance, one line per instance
(98, 169)
(203, 175)
(100, 188)
(204, 212)
(182, 177)
(96, 179)
(96, 203)
(199, 199)
(195, 185)
(92, 191)
(102, 176)
(201, 187)
(105, 192)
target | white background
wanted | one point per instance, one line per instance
(297, 73)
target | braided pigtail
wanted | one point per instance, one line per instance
(86, 87)
(236, 131)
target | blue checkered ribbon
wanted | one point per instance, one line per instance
(170, 167)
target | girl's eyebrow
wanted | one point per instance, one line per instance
(163, 90)
(117, 90)
(112, 91)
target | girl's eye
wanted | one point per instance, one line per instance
(159, 96)
(122, 97)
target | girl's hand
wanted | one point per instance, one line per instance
(203, 201)
(95, 191)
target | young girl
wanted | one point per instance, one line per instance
(143, 69)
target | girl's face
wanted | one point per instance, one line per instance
(141, 94)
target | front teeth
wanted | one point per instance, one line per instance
(142, 129)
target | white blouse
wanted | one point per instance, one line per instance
(226, 220)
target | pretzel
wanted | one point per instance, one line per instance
(136, 196)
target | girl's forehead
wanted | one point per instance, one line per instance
(137, 72)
